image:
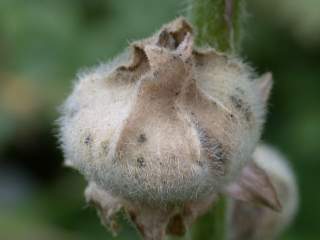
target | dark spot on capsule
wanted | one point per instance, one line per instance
(141, 162)
(216, 152)
(219, 152)
(214, 149)
(241, 106)
(88, 140)
(237, 102)
(200, 163)
(177, 93)
(142, 138)
(219, 158)
(189, 61)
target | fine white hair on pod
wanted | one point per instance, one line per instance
(165, 127)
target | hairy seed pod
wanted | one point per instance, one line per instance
(166, 123)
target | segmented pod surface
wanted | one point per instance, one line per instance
(164, 122)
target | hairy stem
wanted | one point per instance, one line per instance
(218, 23)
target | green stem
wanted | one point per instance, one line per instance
(212, 226)
(218, 23)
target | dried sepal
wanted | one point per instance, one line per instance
(254, 186)
(107, 206)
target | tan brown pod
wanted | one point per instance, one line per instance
(165, 124)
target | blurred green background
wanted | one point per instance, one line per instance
(43, 43)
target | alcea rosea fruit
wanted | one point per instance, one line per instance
(164, 128)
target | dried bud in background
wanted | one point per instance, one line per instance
(163, 129)
(252, 222)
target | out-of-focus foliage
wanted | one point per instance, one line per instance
(43, 43)
(302, 18)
